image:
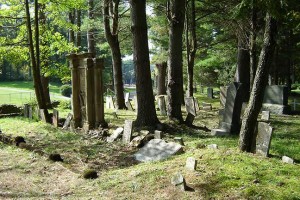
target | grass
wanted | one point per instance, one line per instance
(223, 173)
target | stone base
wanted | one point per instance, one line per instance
(276, 108)
(219, 132)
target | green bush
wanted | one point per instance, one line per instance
(296, 86)
(66, 90)
(65, 104)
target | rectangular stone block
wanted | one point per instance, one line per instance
(263, 140)
(127, 135)
(276, 94)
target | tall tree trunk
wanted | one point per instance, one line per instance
(161, 80)
(146, 115)
(252, 50)
(35, 58)
(112, 38)
(242, 74)
(175, 73)
(247, 135)
(71, 31)
(78, 33)
(192, 48)
(90, 32)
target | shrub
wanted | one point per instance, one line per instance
(66, 90)
(65, 104)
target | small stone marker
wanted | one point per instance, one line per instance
(178, 181)
(191, 164)
(189, 119)
(212, 146)
(129, 106)
(127, 131)
(288, 160)
(210, 93)
(158, 134)
(157, 149)
(110, 102)
(55, 118)
(67, 122)
(190, 105)
(219, 132)
(265, 115)
(115, 135)
(263, 139)
(162, 105)
(43, 115)
(179, 140)
(30, 112)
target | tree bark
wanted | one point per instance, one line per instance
(71, 31)
(90, 32)
(247, 135)
(161, 80)
(191, 48)
(146, 115)
(78, 33)
(252, 50)
(112, 38)
(176, 17)
(34, 58)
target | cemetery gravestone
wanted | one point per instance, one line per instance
(210, 93)
(127, 96)
(26, 108)
(55, 118)
(263, 139)
(43, 115)
(67, 122)
(276, 99)
(206, 106)
(196, 105)
(191, 164)
(223, 94)
(265, 115)
(127, 131)
(179, 181)
(158, 134)
(30, 112)
(190, 105)
(129, 106)
(135, 103)
(162, 105)
(115, 135)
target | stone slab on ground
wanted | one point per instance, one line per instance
(179, 181)
(115, 135)
(212, 146)
(288, 160)
(191, 164)
(157, 149)
(219, 132)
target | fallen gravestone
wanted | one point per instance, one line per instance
(265, 115)
(55, 118)
(288, 160)
(157, 149)
(191, 164)
(67, 122)
(263, 139)
(127, 134)
(179, 181)
(115, 135)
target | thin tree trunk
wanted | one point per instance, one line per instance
(71, 31)
(90, 32)
(175, 73)
(161, 80)
(247, 135)
(252, 50)
(146, 115)
(78, 33)
(113, 41)
(192, 48)
(35, 62)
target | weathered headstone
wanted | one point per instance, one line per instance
(110, 102)
(127, 96)
(55, 118)
(263, 139)
(276, 99)
(233, 106)
(115, 135)
(30, 112)
(190, 105)
(288, 160)
(191, 164)
(210, 93)
(179, 140)
(189, 119)
(67, 122)
(26, 107)
(129, 106)
(179, 181)
(162, 105)
(265, 115)
(157, 149)
(43, 115)
(127, 134)
(158, 134)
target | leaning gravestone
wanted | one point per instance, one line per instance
(67, 122)
(43, 115)
(157, 149)
(127, 134)
(265, 115)
(127, 96)
(210, 93)
(115, 135)
(162, 105)
(128, 105)
(190, 105)
(55, 118)
(263, 139)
